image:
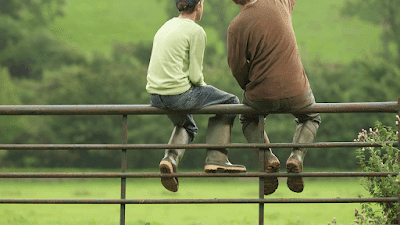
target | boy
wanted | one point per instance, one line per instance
(175, 81)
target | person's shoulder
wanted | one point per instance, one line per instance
(245, 17)
(168, 24)
(196, 28)
(235, 23)
(171, 21)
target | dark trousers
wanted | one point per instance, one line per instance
(309, 120)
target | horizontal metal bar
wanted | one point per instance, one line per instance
(359, 107)
(194, 174)
(188, 146)
(194, 201)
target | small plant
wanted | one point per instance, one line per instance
(381, 159)
(360, 219)
(333, 221)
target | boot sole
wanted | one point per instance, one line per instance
(295, 184)
(223, 169)
(169, 183)
(271, 183)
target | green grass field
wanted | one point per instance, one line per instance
(190, 188)
(321, 32)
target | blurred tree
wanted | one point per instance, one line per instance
(381, 12)
(10, 126)
(357, 82)
(125, 51)
(30, 56)
(35, 13)
(26, 47)
(119, 79)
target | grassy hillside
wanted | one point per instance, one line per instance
(94, 25)
(321, 32)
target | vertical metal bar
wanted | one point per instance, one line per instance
(261, 158)
(124, 166)
(398, 142)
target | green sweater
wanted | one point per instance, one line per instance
(177, 58)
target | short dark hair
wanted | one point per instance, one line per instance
(241, 2)
(183, 7)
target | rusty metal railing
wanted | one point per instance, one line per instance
(125, 110)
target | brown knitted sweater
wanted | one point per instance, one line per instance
(263, 53)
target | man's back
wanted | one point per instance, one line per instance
(263, 53)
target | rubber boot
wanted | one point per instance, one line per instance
(271, 162)
(169, 164)
(219, 132)
(305, 133)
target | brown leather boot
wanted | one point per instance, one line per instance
(272, 165)
(305, 133)
(271, 162)
(294, 164)
(169, 164)
(219, 132)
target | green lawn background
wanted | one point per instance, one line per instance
(322, 34)
(190, 188)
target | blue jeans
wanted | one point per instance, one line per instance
(195, 98)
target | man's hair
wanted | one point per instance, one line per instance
(241, 2)
(183, 7)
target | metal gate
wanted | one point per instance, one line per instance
(125, 110)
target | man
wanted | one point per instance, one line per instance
(264, 58)
(175, 81)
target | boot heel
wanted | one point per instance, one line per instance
(166, 167)
(169, 183)
(169, 163)
(295, 184)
